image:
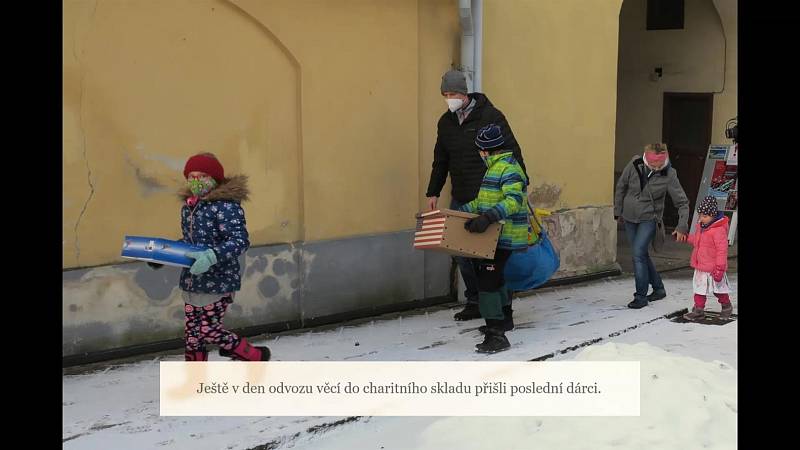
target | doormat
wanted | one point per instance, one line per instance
(711, 318)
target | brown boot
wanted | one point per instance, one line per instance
(697, 313)
(726, 311)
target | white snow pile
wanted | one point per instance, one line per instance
(685, 403)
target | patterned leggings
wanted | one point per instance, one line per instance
(204, 326)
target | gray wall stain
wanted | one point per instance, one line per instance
(545, 195)
(281, 266)
(269, 287)
(158, 284)
(257, 266)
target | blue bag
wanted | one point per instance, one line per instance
(531, 268)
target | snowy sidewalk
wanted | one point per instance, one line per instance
(117, 406)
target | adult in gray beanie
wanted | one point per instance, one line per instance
(455, 154)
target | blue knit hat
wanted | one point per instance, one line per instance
(489, 137)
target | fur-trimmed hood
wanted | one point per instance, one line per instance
(233, 188)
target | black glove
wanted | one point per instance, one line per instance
(154, 266)
(477, 224)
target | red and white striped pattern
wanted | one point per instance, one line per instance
(429, 232)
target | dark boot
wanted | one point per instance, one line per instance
(199, 355)
(246, 352)
(695, 314)
(638, 302)
(470, 311)
(508, 320)
(495, 339)
(727, 309)
(657, 295)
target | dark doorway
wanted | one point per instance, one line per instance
(687, 133)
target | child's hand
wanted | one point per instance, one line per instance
(203, 261)
(717, 275)
(477, 224)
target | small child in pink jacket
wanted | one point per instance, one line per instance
(710, 260)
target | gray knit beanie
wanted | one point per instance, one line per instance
(454, 81)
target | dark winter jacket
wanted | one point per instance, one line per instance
(217, 221)
(455, 151)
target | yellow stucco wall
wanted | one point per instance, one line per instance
(436, 57)
(317, 101)
(330, 107)
(149, 83)
(358, 63)
(550, 66)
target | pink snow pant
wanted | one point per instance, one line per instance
(700, 300)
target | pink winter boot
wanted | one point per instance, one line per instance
(246, 352)
(196, 355)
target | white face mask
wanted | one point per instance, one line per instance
(454, 103)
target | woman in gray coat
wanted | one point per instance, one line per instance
(639, 204)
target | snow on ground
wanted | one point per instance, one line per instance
(686, 403)
(117, 406)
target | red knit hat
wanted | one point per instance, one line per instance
(206, 164)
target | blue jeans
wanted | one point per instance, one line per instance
(467, 269)
(639, 236)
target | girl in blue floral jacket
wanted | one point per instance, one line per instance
(212, 217)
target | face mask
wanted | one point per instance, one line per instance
(201, 186)
(454, 103)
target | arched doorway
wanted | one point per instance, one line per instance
(671, 66)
